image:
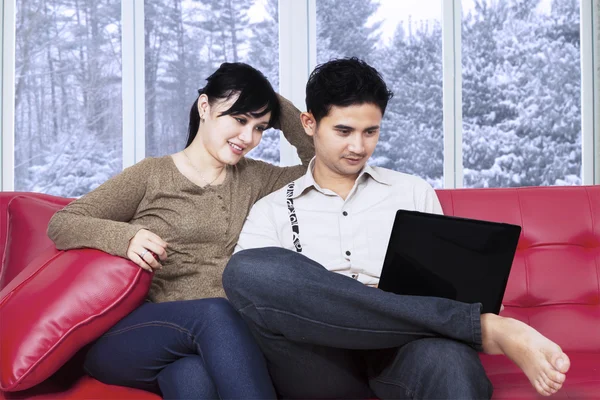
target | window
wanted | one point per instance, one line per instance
(403, 41)
(521, 93)
(488, 93)
(67, 95)
(187, 41)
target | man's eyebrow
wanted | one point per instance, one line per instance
(345, 127)
(372, 128)
(349, 128)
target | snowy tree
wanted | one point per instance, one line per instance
(67, 91)
(343, 29)
(522, 94)
(412, 132)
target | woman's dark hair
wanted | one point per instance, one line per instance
(342, 83)
(256, 95)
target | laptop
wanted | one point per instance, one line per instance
(461, 259)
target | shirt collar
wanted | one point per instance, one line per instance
(375, 174)
(307, 181)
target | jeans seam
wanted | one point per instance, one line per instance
(476, 327)
(399, 384)
(147, 324)
(339, 326)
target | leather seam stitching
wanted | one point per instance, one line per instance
(595, 258)
(524, 255)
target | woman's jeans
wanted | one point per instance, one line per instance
(326, 335)
(194, 349)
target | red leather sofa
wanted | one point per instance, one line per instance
(554, 286)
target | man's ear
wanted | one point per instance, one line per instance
(308, 123)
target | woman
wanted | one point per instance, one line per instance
(180, 216)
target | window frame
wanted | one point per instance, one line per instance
(297, 57)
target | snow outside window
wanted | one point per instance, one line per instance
(67, 95)
(521, 94)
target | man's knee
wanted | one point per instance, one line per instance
(249, 272)
(249, 268)
(444, 368)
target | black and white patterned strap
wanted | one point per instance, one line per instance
(293, 217)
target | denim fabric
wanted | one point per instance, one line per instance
(326, 335)
(195, 349)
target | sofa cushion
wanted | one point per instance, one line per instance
(28, 218)
(59, 304)
(583, 379)
(61, 301)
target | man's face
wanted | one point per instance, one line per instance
(345, 138)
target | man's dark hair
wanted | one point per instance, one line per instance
(345, 82)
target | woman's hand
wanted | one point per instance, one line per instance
(146, 249)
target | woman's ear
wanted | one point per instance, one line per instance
(308, 123)
(203, 106)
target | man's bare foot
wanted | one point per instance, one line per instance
(541, 360)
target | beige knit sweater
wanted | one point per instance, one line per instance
(201, 225)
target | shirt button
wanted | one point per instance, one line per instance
(348, 253)
(345, 214)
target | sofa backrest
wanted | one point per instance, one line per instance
(554, 283)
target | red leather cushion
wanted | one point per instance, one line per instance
(60, 302)
(26, 234)
(84, 388)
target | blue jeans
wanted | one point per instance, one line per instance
(195, 349)
(326, 335)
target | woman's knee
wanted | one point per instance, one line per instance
(187, 378)
(216, 308)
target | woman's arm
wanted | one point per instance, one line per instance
(100, 219)
(289, 123)
(273, 177)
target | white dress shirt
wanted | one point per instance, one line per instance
(349, 236)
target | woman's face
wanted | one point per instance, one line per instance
(229, 137)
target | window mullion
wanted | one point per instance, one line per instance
(7, 94)
(587, 92)
(452, 95)
(132, 14)
(140, 79)
(595, 109)
(294, 21)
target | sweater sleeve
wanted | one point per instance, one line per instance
(100, 219)
(289, 123)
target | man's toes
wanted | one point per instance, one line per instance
(555, 386)
(540, 389)
(561, 363)
(556, 376)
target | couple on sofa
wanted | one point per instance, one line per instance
(304, 317)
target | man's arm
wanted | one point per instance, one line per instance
(259, 229)
(429, 202)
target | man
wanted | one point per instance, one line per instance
(335, 335)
